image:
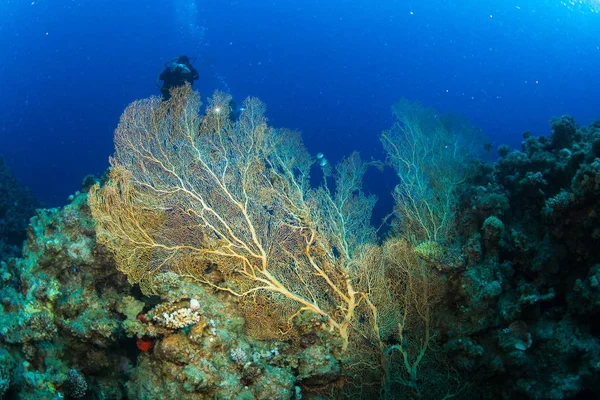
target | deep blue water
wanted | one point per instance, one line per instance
(329, 68)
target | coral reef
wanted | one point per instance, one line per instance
(524, 306)
(58, 318)
(251, 284)
(73, 327)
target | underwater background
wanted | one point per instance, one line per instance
(405, 204)
(329, 68)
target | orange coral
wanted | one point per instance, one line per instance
(144, 344)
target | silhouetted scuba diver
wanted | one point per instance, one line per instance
(234, 112)
(178, 71)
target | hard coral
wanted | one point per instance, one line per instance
(75, 385)
(173, 316)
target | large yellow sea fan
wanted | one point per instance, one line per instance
(187, 190)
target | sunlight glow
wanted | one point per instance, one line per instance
(590, 5)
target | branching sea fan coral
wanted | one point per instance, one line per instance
(187, 191)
